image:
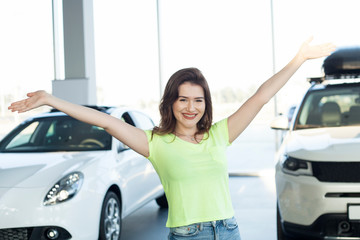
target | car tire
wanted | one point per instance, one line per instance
(110, 220)
(162, 201)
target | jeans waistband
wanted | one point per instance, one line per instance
(212, 223)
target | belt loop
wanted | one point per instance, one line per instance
(224, 222)
(201, 226)
(213, 223)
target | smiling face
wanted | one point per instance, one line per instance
(189, 107)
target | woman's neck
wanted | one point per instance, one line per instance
(181, 130)
(188, 134)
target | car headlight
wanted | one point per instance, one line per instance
(295, 166)
(64, 189)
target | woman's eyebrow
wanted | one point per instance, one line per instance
(188, 97)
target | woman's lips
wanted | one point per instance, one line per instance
(189, 116)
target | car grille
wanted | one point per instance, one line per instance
(33, 233)
(15, 234)
(336, 171)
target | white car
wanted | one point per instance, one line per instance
(64, 179)
(318, 163)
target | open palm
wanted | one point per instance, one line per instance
(34, 100)
(308, 51)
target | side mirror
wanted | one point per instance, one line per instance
(280, 123)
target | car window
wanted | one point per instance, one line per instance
(24, 136)
(143, 121)
(331, 107)
(56, 134)
(126, 118)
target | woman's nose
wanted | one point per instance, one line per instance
(190, 106)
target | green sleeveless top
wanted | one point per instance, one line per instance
(194, 176)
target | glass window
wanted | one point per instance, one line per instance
(335, 106)
(24, 137)
(143, 121)
(57, 134)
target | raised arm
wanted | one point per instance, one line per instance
(133, 137)
(238, 121)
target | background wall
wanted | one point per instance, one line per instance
(229, 40)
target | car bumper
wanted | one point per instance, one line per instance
(35, 233)
(328, 226)
(309, 206)
(26, 213)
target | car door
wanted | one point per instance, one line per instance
(153, 184)
(137, 174)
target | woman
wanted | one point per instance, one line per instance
(187, 151)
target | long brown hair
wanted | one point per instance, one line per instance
(171, 94)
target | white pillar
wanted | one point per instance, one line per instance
(79, 85)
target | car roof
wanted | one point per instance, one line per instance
(56, 113)
(105, 109)
(329, 85)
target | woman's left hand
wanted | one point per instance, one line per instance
(308, 51)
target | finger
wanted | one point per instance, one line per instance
(309, 39)
(30, 94)
(328, 48)
(13, 107)
(21, 108)
(18, 106)
(331, 47)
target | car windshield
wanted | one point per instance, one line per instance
(332, 106)
(56, 134)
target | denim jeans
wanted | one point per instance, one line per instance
(215, 230)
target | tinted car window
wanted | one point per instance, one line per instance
(56, 134)
(330, 107)
(143, 121)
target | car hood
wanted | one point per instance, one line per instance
(32, 170)
(325, 144)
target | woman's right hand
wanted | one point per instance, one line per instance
(133, 137)
(34, 100)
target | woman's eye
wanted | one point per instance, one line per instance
(182, 100)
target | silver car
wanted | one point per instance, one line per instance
(318, 163)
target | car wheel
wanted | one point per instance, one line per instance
(162, 201)
(110, 221)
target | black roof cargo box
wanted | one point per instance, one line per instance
(343, 63)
